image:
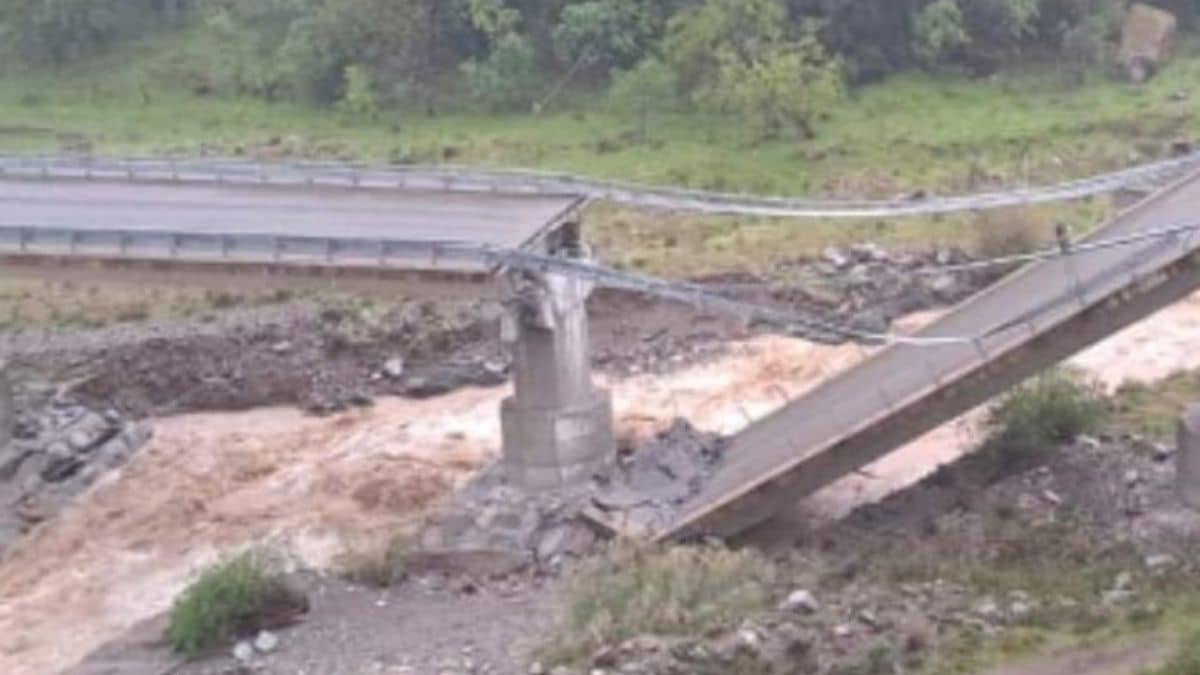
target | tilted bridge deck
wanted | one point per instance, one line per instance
(1028, 322)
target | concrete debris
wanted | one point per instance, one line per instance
(61, 448)
(493, 529)
(649, 484)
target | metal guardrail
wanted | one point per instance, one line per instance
(520, 182)
(385, 254)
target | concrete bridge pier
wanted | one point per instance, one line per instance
(557, 427)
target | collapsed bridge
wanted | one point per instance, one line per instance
(247, 222)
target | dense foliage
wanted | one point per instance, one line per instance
(777, 63)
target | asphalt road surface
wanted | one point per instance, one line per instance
(499, 220)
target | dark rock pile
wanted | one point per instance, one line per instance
(58, 451)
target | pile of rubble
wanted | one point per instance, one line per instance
(58, 450)
(870, 286)
(493, 528)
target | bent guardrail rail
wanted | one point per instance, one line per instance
(522, 182)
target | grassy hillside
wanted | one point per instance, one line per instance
(916, 132)
(912, 132)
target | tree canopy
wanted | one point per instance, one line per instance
(777, 63)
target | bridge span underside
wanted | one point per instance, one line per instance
(1030, 321)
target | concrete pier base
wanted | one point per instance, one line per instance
(547, 449)
(557, 427)
(1189, 456)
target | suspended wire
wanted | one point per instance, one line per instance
(524, 182)
(703, 297)
(1051, 253)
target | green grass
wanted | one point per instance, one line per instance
(1187, 659)
(229, 600)
(914, 132)
(669, 592)
(1154, 409)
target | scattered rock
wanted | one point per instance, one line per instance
(266, 642)
(394, 368)
(1123, 582)
(988, 610)
(63, 449)
(1052, 497)
(834, 256)
(243, 651)
(800, 602)
(1157, 563)
(1019, 611)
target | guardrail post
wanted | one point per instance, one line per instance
(1189, 456)
(557, 427)
(7, 408)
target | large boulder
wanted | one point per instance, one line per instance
(1146, 41)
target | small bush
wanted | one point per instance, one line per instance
(234, 598)
(1051, 409)
(675, 591)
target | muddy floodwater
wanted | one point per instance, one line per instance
(208, 483)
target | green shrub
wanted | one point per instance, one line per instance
(1051, 409)
(673, 591)
(509, 78)
(231, 599)
(359, 98)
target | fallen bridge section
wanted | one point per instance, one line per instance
(1027, 323)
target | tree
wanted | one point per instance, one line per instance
(647, 87)
(782, 90)
(55, 32)
(359, 98)
(697, 35)
(508, 78)
(602, 33)
(939, 32)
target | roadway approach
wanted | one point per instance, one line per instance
(233, 234)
